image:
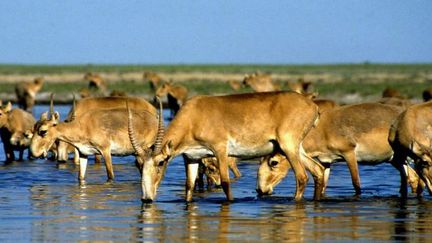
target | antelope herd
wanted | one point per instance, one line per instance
(284, 129)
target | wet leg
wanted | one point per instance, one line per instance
(351, 160)
(326, 176)
(191, 175)
(233, 166)
(82, 167)
(223, 159)
(317, 171)
(108, 164)
(292, 153)
(398, 161)
(76, 158)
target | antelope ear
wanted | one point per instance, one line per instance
(44, 116)
(166, 150)
(205, 162)
(8, 107)
(28, 134)
(306, 85)
(38, 80)
(311, 95)
(55, 117)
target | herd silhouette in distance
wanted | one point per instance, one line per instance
(285, 130)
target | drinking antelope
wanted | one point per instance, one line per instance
(242, 126)
(103, 132)
(353, 133)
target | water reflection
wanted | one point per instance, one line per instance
(150, 224)
(43, 201)
(103, 211)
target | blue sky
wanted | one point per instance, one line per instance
(222, 31)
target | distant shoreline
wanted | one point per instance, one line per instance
(345, 83)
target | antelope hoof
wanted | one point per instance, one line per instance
(82, 182)
(298, 198)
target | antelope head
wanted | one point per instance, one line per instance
(27, 136)
(152, 162)
(211, 170)
(248, 79)
(273, 168)
(163, 90)
(18, 139)
(4, 113)
(423, 163)
(44, 134)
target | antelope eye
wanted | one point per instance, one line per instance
(160, 163)
(274, 163)
(43, 133)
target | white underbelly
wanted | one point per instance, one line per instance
(363, 155)
(120, 150)
(86, 149)
(234, 149)
(198, 152)
(366, 156)
(237, 149)
(328, 158)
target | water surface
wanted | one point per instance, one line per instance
(41, 200)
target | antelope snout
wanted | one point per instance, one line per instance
(146, 200)
(262, 193)
(14, 141)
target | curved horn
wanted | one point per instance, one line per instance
(131, 133)
(160, 132)
(73, 115)
(51, 109)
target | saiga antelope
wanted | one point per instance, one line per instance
(26, 93)
(260, 82)
(411, 136)
(241, 125)
(353, 133)
(13, 126)
(100, 103)
(103, 132)
(176, 95)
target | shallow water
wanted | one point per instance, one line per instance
(42, 201)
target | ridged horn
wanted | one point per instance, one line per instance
(73, 115)
(160, 132)
(131, 133)
(51, 108)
